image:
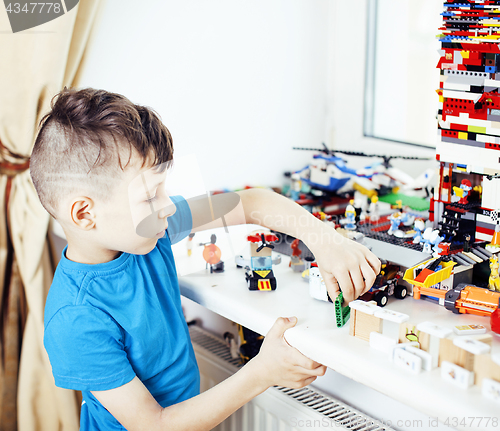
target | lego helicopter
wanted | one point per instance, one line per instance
(331, 172)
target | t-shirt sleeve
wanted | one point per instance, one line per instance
(181, 223)
(86, 350)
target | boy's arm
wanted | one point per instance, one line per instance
(276, 364)
(342, 262)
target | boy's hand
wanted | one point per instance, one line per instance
(280, 364)
(344, 265)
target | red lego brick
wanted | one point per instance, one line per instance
(492, 146)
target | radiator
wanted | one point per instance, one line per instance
(279, 408)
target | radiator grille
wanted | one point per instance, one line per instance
(289, 408)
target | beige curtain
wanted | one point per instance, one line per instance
(35, 65)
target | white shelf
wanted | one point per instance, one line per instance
(317, 337)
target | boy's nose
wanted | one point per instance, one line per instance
(167, 210)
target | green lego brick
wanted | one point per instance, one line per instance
(414, 202)
(341, 313)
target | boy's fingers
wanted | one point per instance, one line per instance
(318, 371)
(281, 325)
(374, 262)
(369, 276)
(309, 380)
(302, 361)
(358, 282)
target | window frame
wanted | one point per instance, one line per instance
(347, 74)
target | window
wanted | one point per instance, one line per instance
(400, 102)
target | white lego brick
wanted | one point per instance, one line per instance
(401, 346)
(484, 218)
(488, 139)
(457, 57)
(456, 86)
(491, 191)
(491, 83)
(434, 330)
(427, 360)
(469, 329)
(483, 236)
(381, 342)
(457, 375)
(464, 120)
(364, 307)
(464, 96)
(392, 316)
(433, 350)
(472, 345)
(407, 360)
(475, 156)
(491, 389)
(467, 74)
(476, 169)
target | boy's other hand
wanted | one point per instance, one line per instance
(345, 265)
(280, 364)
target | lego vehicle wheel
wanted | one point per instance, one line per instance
(400, 292)
(381, 298)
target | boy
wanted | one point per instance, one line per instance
(114, 327)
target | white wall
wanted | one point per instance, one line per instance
(238, 83)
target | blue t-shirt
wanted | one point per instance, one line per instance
(109, 322)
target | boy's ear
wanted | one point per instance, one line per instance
(82, 213)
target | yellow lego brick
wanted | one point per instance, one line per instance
(464, 54)
(441, 99)
(476, 129)
(462, 135)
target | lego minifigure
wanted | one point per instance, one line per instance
(419, 226)
(467, 244)
(189, 245)
(212, 254)
(426, 240)
(431, 240)
(317, 287)
(494, 280)
(396, 219)
(259, 273)
(296, 263)
(373, 209)
(463, 191)
(350, 221)
(296, 187)
(436, 239)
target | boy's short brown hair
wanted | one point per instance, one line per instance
(87, 138)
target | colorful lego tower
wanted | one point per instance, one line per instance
(467, 198)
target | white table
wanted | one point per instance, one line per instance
(317, 336)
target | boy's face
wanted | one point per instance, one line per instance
(135, 216)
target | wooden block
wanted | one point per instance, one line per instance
(485, 368)
(451, 353)
(409, 332)
(362, 324)
(353, 322)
